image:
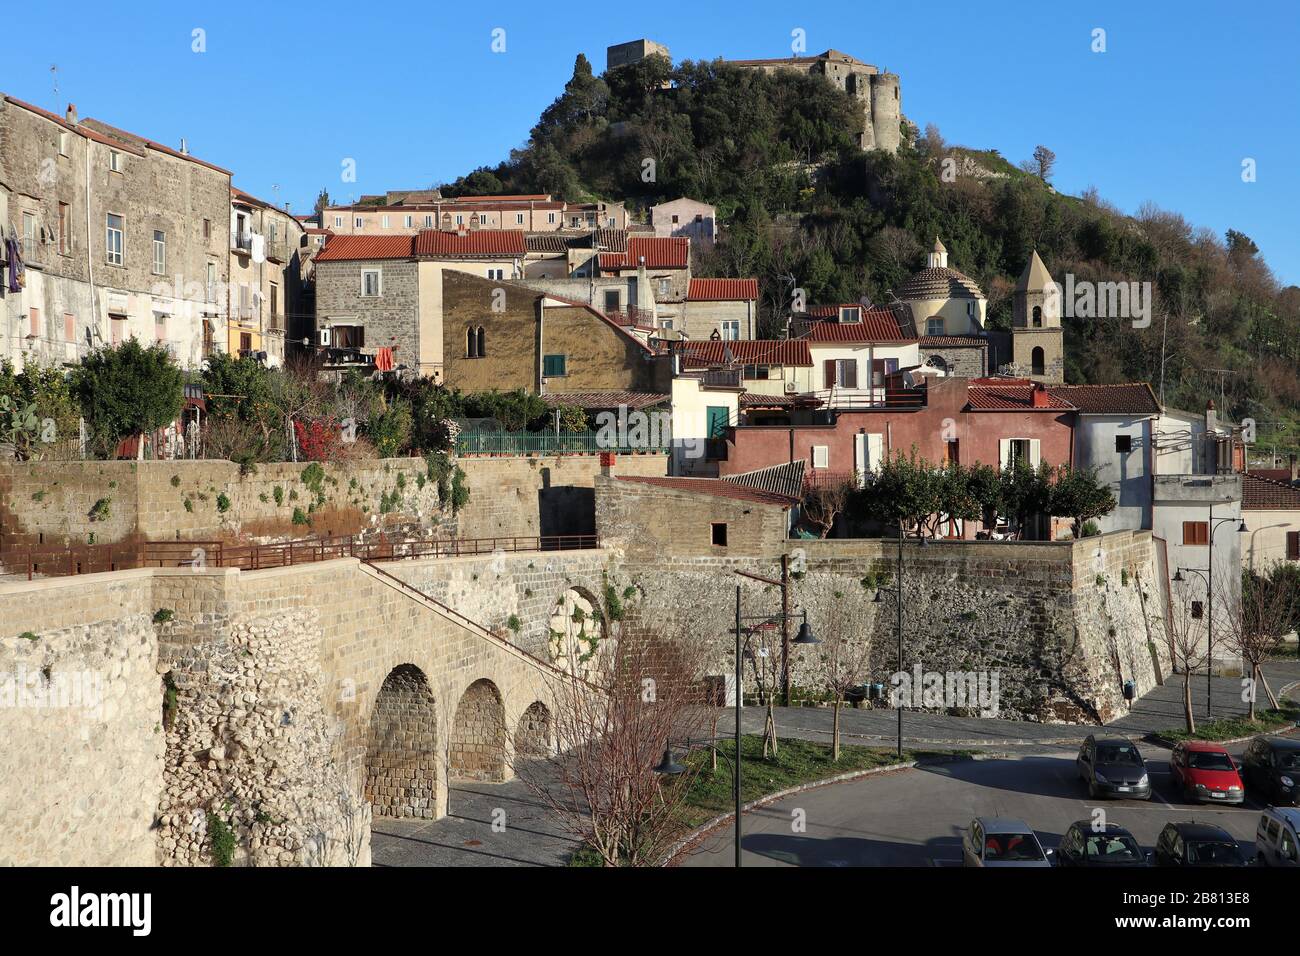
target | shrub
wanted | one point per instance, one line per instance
(163, 615)
(278, 494)
(222, 840)
(101, 510)
(223, 503)
(300, 517)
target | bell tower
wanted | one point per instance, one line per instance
(1037, 339)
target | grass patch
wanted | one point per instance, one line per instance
(1230, 728)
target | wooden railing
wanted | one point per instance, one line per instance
(90, 559)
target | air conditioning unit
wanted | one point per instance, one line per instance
(322, 336)
(791, 388)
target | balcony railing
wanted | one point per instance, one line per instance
(849, 399)
(722, 378)
(548, 443)
(632, 316)
(241, 240)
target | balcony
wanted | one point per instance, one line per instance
(632, 316)
(853, 399)
(722, 378)
(241, 241)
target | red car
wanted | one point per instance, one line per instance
(1206, 773)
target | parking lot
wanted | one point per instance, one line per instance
(917, 817)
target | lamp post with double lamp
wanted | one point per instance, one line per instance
(897, 590)
(1207, 575)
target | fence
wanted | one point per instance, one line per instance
(548, 443)
(91, 559)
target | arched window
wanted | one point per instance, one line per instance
(482, 343)
(471, 343)
(1038, 316)
(1036, 360)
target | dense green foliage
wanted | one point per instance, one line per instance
(127, 390)
(805, 208)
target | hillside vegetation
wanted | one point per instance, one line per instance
(803, 207)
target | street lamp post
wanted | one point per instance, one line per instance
(1207, 575)
(897, 590)
(805, 636)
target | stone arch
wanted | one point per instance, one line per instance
(402, 747)
(576, 630)
(534, 735)
(478, 735)
(1036, 360)
(1038, 316)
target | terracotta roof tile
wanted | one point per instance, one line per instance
(880, 323)
(346, 248)
(707, 352)
(998, 397)
(601, 400)
(717, 487)
(954, 341)
(721, 290)
(1264, 494)
(1133, 398)
(659, 253)
(939, 283)
(486, 242)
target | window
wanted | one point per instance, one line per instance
(383, 222)
(428, 222)
(850, 313)
(116, 327)
(612, 300)
(460, 220)
(207, 228)
(758, 373)
(475, 342)
(1036, 361)
(159, 327)
(519, 219)
(1293, 545)
(357, 222)
(821, 456)
(665, 286)
(371, 284)
(275, 305)
(1198, 610)
(718, 533)
(952, 452)
(1038, 316)
(409, 221)
(69, 327)
(1123, 443)
(550, 218)
(29, 235)
(666, 324)
(113, 243)
(348, 336)
(675, 220)
(934, 326)
(1020, 452)
(63, 142)
(338, 222)
(841, 373)
(1196, 532)
(212, 282)
(553, 366)
(64, 246)
(612, 221)
(114, 161)
(496, 273)
(730, 330)
(159, 252)
(34, 323)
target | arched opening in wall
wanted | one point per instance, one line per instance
(471, 343)
(1036, 362)
(533, 736)
(402, 747)
(478, 735)
(576, 637)
(1038, 316)
(482, 343)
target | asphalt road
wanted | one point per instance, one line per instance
(917, 817)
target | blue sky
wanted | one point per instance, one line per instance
(414, 93)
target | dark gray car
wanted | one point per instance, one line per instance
(1113, 767)
(1001, 842)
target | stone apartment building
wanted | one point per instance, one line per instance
(119, 236)
(530, 213)
(697, 221)
(265, 301)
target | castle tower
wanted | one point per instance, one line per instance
(886, 112)
(1037, 339)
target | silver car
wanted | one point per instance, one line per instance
(998, 841)
(1276, 842)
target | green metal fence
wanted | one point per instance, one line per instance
(549, 443)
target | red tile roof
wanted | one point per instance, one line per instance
(658, 252)
(703, 353)
(954, 341)
(990, 395)
(606, 400)
(487, 242)
(721, 290)
(716, 487)
(1264, 494)
(1132, 398)
(344, 248)
(880, 323)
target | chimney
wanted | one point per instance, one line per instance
(71, 114)
(185, 150)
(1039, 397)
(1295, 469)
(1210, 441)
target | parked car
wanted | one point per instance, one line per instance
(1271, 770)
(1088, 844)
(1206, 773)
(1197, 844)
(1276, 841)
(1113, 767)
(995, 841)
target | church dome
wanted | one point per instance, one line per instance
(939, 282)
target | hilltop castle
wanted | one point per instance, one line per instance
(878, 92)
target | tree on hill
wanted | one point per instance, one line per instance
(322, 201)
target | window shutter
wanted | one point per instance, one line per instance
(1035, 453)
(1004, 452)
(829, 366)
(851, 373)
(1293, 545)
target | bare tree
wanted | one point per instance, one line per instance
(1188, 646)
(762, 648)
(1256, 622)
(1044, 160)
(643, 695)
(823, 503)
(844, 652)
